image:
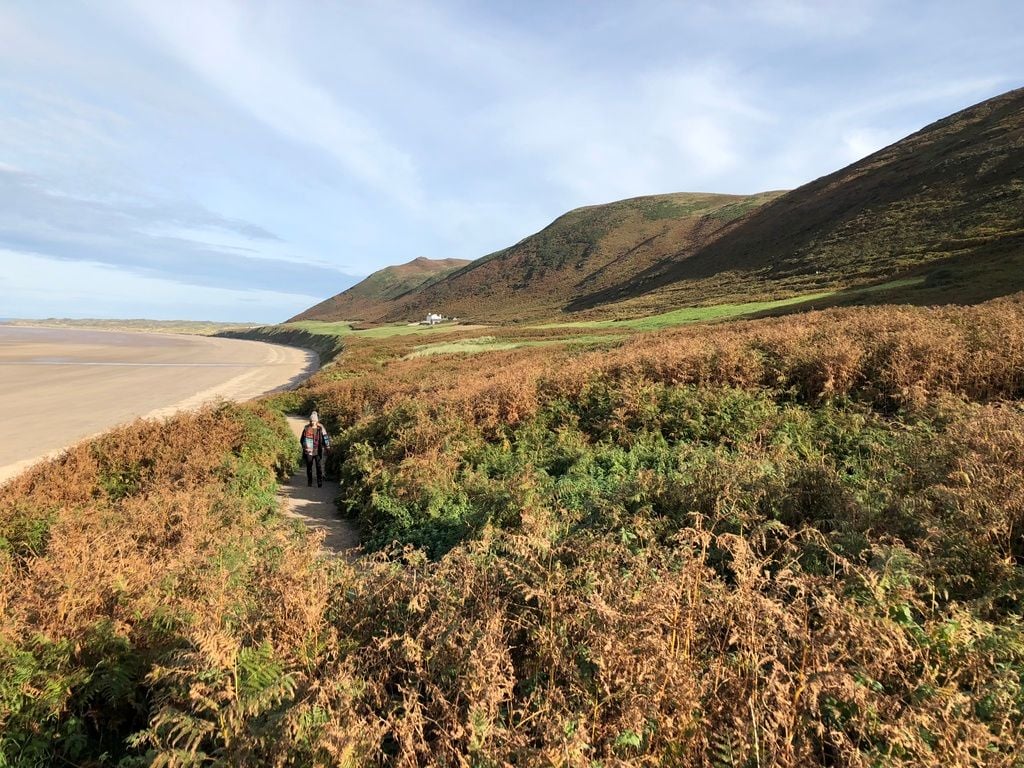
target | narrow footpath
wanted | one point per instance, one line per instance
(315, 506)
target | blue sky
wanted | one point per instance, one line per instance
(243, 159)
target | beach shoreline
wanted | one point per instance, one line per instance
(61, 386)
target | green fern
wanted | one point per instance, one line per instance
(724, 750)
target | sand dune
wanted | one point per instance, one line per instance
(58, 386)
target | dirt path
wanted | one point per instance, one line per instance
(315, 506)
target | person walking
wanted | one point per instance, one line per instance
(315, 443)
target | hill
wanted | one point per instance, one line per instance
(945, 204)
(361, 301)
(582, 251)
(586, 250)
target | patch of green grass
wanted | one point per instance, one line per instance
(677, 206)
(737, 209)
(466, 346)
(25, 529)
(490, 344)
(682, 316)
(686, 315)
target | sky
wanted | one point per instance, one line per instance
(245, 159)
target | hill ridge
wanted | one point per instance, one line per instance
(944, 204)
(920, 206)
(588, 245)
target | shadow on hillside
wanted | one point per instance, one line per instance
(962, 279)
(953, 281)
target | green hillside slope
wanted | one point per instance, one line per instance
(584, 251)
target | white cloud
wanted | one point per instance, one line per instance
(816, 19)
(906, 91)
(223, 43)
(665, 131)
(41, 128)
(828, 139)
(861, 142)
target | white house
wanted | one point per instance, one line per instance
(433, 319)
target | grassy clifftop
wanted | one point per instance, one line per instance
(327, 346)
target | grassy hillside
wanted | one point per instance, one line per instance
(363, 300)
(945, 204)
(585, 250)
(943, 207)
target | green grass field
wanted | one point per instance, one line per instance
(686, 315)
(509, 340)
(492, 344)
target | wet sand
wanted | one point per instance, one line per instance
(59, 386)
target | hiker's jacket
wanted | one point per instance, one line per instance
(314, 440)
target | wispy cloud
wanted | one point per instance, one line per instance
(814, 19)
(233, 48)
(133, 236)
(660, 131)
(37, 286)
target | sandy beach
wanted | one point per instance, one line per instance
(59, 386)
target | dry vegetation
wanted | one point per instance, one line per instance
(784, 542)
